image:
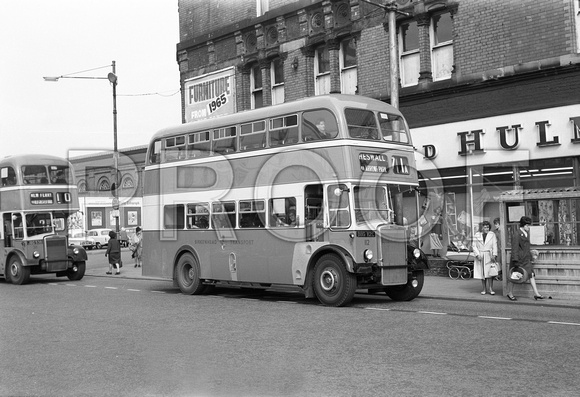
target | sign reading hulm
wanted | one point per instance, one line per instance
(210, 95)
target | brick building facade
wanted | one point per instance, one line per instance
(490, 88)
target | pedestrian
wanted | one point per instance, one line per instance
(497, 232)
(485, 251)
(114, 253)
(522, 257)
(137, 246)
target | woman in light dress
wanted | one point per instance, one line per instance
(485, 251)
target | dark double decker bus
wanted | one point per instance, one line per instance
(38, 203)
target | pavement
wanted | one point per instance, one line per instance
(435, 287)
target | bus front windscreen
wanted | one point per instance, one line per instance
(372, 204)
(38, 223)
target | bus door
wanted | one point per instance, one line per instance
(313, 214)
(224, 260)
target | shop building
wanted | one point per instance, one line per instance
(491, 91)
(96, 181)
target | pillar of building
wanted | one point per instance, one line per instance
(334, 58)
(424, 24)
(264, 65)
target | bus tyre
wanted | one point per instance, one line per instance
(407, 292)
(18, 273)
(77, 272)
(187, 275)
(333, 284)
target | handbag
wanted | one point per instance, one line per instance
(491, 269)
(517, 275)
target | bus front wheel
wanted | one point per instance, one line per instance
(77, 272)
(19, 274)
(408, 291)
(187, 275)
(333, 284)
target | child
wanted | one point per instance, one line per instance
(114, 252)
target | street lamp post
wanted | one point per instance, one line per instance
(112, 77)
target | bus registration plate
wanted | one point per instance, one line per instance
(365, 233)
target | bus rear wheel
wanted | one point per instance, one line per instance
(333, 284)
(409, 291)
(77, 272)
(187, 275)
(19, 274)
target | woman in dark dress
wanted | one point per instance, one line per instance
(113, 252)
(522, 256)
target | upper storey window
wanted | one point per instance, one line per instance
(409, 50)
(442, 46)
(322, 70)
(348, 66)
(262, 7)
(277, 78)
(256, 87)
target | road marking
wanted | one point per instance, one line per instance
(495, 318)
(91, 286)
(425, 312)
(562, 323)
(287, 302)
(136, 290)
(110, 287)
(158, 292)
(377, 308)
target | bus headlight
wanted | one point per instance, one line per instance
(417, 253)
(76, 251)
(36, 254)
(368, 255)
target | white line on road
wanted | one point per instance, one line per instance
(562, 323)
(110, 287)
(424, 312)
(91, 286)
(136, 290)
(495, 318)
(158, 292)
(377, 308)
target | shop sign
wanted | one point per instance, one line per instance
(210, 95)
(531, 131)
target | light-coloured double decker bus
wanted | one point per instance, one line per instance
(308, 194)
(38, 197)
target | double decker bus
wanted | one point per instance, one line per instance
(315, 195)
(38, 197)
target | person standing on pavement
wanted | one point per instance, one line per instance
(522, 257)
(485, 251)
(497, 232)
(114, 253)
(137, 246)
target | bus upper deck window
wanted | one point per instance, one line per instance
(361, 124)
(155, 155)
(8, 176)
(34, 175)
(318, 124)
(59, 174)
(393, 128)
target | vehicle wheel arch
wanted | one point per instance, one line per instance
(183, 250)
(325, 249)
(16, 254)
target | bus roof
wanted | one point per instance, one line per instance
(336, 101)
(32, 159)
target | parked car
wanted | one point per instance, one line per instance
(101, 236)
(81, 238)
